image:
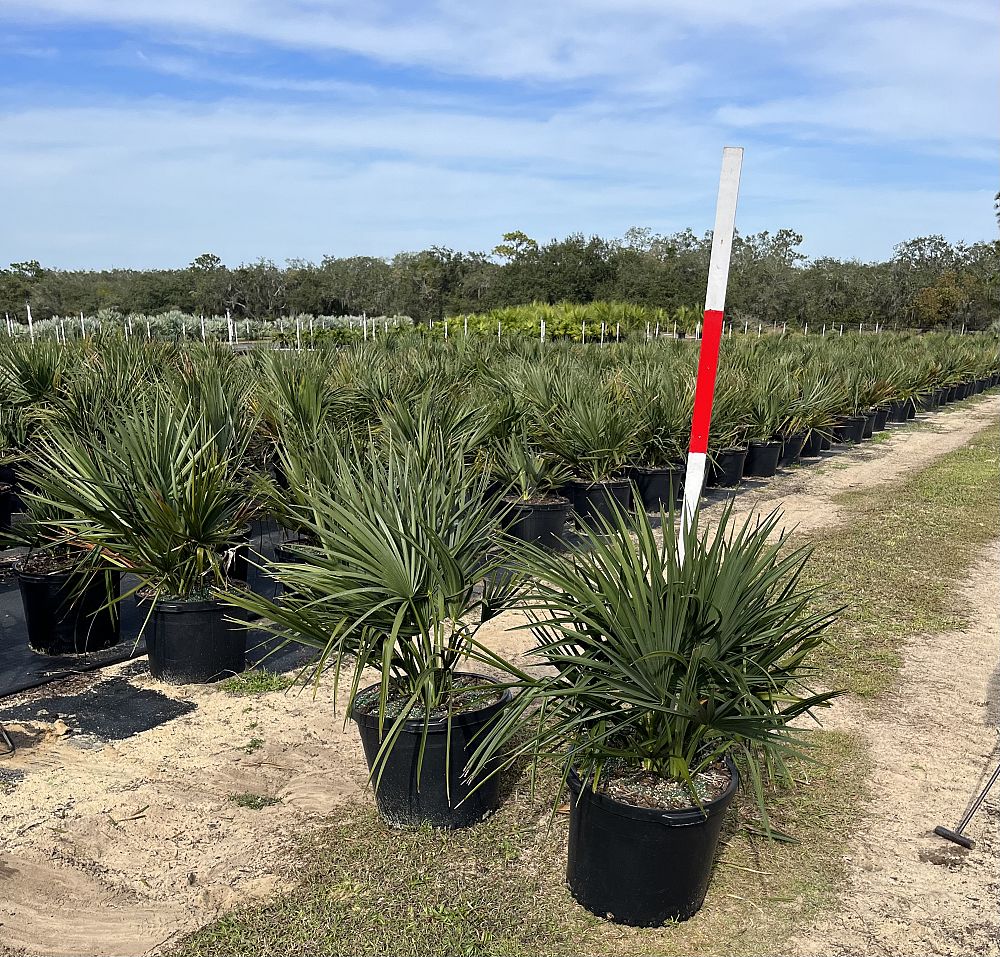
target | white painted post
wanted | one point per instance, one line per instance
(861, 326)
(697, 330)
(760, 329)
(149, 331)
(83, 327)
(841, 328)
(298, 332)
(708, 353)
(824, 328)
(746, 326)
(602, 333)
(675, 328)
(784, 328)
(312, 344)
(498, 330)
(647, 332)
(31, 325)
(805, 331)
(657, 329)
(541, 329)
(446, 328)
(583, 334)
(466, 324)
(618, 332)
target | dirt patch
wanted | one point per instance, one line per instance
(933, 744)
(114, 846)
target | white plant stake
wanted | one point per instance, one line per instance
(602, 333)
(708, 353)
(618, 332)
(31, 325)
(83, 327)
(583, 335)
(203, 327)
(298, 333)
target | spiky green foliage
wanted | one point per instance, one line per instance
(663, 658)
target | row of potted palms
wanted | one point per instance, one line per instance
(663, 674)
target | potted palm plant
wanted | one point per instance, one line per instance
(660, 404)
(403, 537)
(647, 715)
(155, 493)
(69, 604)
(534, 509)
(593, 433)
(765, 414)
(727, 439)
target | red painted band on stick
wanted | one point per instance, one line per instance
(708, 363)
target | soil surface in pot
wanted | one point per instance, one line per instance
(469, 695)
(46, 562)
(547, 498)
(640, 788)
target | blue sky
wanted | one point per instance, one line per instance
(144, 132)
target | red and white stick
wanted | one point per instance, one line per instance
(708, 357)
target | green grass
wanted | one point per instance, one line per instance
(897, 559)
(255, 802)
(256, 682)
(498, 888)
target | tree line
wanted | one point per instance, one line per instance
(926, 283)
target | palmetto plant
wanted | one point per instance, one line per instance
(153, 493)
(660, 404)
(589, 428)
(402, 539)
(668, 663)
(523, 471)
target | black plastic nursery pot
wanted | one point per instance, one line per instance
(791, 448)
(813, 444)
(442, 796)
(60, 620)
(639, 866)
(898, 410)
(924, 402)
(591, 502)
(657, 487)
(762, 459)
(191, 642)
(6, 508)
(869, 427)
(240, 567)
(849, 429)
(825, 443)
(881, 417)
(727, 468)
(540, 523)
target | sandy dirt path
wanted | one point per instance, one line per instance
(116, 846)
(933, 744)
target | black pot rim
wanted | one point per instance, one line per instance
(607, 483)
(556, 502)
(440, 725)
(43, 576)
(733, 450)
(658, 469)
(769, 444)
(682, 818)
(172, 606)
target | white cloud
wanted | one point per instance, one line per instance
(606, 114)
